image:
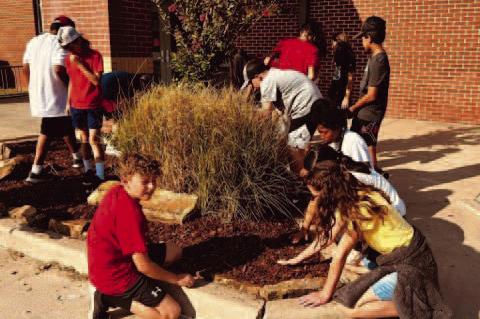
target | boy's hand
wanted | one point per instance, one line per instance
(345, 103)
(185, 280)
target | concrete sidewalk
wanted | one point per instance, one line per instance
(436, 169)
(15, 119)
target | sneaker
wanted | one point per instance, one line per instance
(38, 178)
(90, 179)
(97, 310)
(382, 172)
(77, 163)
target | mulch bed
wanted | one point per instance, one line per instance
(243, 250)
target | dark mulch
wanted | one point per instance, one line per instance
(243, 250)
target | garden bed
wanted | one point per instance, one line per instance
(245, 251)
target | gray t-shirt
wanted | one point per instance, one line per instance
(289, 91)
(376, 74)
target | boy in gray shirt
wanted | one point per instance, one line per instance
(369, 110)
(294, 95)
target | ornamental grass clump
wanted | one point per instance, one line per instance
(211, 143)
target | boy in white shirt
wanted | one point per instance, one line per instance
(43, 66)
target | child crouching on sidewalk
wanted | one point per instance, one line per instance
(122, 266)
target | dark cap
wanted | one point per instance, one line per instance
(63, 21)
(252, 69)
(372, 23)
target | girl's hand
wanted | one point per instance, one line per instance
(345, 103)
(315, 299)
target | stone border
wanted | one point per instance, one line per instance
(207, 301)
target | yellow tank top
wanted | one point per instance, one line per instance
(383, 233)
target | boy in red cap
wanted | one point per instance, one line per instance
(44, 67)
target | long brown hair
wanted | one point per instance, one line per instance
(340, 190)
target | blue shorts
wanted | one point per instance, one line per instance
(385, 287)
(87, 118)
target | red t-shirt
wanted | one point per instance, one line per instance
(117, 232)
(85, 95)
(295, 54)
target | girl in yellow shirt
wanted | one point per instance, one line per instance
(355, 212)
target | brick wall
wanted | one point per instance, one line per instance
(433, 45)
(17, 25)
(90, 16)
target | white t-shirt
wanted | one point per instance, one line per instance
(48, 94)
(290, 91)
(379, 182)
(354, 146)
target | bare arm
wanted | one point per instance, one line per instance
(150, 269)
(367, 98)
(348, 91)
(311, 73)
(266, 110)
(61, 72)
(348, 241)
(93, 77)
(26, 72)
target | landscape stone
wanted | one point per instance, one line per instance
(96, 196)
(5, 151)
(169, 207)
(7, 166)
(26, 213)
(164, 206)
(73, 228)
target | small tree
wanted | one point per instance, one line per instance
(206, 30)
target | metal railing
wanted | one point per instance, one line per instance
(12, 82)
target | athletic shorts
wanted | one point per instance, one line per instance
(299, 138)
(146, 291)
(385, 287)
(368, 130)
(56, 126)
(87, 118)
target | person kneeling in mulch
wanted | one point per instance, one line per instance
(123, 266)
(405, 282)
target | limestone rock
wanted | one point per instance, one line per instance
(169, 207)
(73, 228)
(25, 213)
(5, 151)
(164, 206)
(7, 166)
(290, 309)
(96, 196)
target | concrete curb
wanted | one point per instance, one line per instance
(210, 301)
(42, 246)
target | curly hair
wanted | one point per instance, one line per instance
(130, 164)
(340, 190)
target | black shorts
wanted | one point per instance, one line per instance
(146, 291)
(368, 130)
(56, 126)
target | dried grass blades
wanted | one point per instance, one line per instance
(211, 143)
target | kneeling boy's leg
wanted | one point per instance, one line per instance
(173, 253)
(164, 253)
(168, 308)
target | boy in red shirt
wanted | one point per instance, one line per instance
(85, 67)
(298, 54)
(120, 261)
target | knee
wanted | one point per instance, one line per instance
(174, 312)
(177, 253)
(93, 139)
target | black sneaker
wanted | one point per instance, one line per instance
(382, 172)
(90, 179)
(39, 178)
(77, 163)
(97, 310)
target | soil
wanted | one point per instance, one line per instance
(243, 250)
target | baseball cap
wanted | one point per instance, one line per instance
(252, 69)
(64, 21)
(67, 35)
(372, 23)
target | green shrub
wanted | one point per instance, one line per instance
(211, 143)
